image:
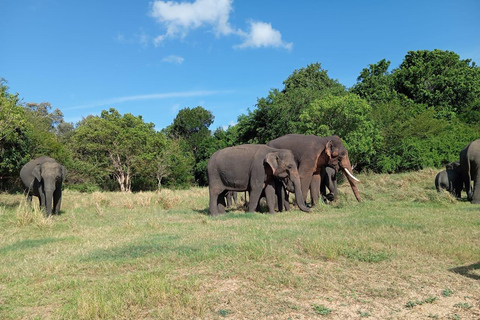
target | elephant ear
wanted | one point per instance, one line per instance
(329, 150)
(37, 172)
(64, 173)
(272, 160)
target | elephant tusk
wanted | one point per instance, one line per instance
(351, 175)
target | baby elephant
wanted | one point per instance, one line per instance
(450, 179)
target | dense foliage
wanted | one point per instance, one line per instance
(418, 115)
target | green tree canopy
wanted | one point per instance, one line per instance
(347, 116)
(441, 80)
(279, 113)
(116, 145)
(192, 125)
(375, 83)
(14, 140)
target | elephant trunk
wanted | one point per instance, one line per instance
(298, 192)
(48, 202)
(347, 169)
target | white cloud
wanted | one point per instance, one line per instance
(180, 18)
(155, 96)
(263, 35)
(173, 59)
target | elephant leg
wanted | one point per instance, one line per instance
(57, 200)
(315, 188)
(323, 189)
(42, 200)
(255, 194)
(286, 202)
(221, 202)
(270, 195)
(476, 188)
(214, 199)
(280, 192)
(229, 199)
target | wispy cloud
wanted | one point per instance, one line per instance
(173, 59)
(155, 96)
(179, 18)
(138, 38)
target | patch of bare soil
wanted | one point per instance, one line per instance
(330, 291)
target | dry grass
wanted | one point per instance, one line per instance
(405, 252)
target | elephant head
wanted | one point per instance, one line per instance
(282, 165)
(50, 175)
(336, 156)
(312, 153)
(455, 166)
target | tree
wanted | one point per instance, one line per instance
(180, 163)
(14, 141)
(279, 113)
(439, 79)
(347, 116)
(116, 145)
(42, 131)
(192, 125)
(375, 83)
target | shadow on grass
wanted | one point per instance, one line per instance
(204, 212)
(152, 246)
(228, 211)
(29, 244)
(12, 205)
(467, 271)
(234, 213)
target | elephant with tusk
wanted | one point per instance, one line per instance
(312, 153)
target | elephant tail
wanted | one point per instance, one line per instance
(30, 187)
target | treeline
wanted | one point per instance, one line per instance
(418, 115)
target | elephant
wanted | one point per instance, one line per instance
(43, 178)
(231, 198)
(252, 168)
(470, 167)
(328, 180)
(312, 153)
(282, 187)
(450, 179)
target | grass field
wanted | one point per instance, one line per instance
(405, 252)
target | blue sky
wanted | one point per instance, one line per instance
(153, 58)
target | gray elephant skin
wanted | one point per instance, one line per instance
(43, 178)
(470, 166)
(328, 181)
(312, 153)
(231, 197)
(251, 168)
(450, 179)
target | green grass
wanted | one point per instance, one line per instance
(159, 256)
